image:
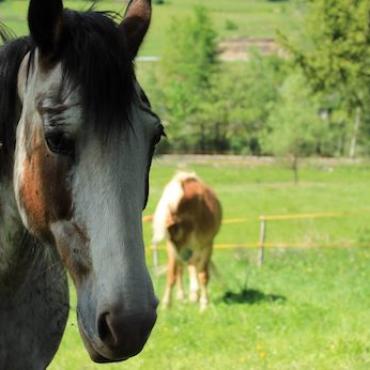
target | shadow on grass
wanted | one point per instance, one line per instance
(250, 296)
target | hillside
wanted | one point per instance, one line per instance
(232, 18)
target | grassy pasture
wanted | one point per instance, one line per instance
(259, 18)
(306, 309)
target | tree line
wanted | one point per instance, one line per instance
(315, 100)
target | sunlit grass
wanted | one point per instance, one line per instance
(305, 309)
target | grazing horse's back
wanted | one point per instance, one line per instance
(188, 202)
(189, 216)
(198, 210)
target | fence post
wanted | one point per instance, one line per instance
(261, 250)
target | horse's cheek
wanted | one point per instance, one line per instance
(40, 192)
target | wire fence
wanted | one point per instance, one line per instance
(262, 242)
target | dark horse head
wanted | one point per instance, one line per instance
(83, 141)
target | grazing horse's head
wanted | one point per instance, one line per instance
(84, 145)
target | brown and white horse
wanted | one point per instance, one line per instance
(189, 216)
(76, 143)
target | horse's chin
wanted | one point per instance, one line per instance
(99, 359)
(96, 350)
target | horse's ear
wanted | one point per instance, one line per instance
(136, 23)
(45, 21)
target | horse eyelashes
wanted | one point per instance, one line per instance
(58, 139)
(51, 119)
(59, 143)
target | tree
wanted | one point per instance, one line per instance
(242, 96)
(294, 126)
(263, 76)
(188, 66)
(335, 56)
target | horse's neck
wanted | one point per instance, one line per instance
(33, 293)
(12, 233)
(15, 242)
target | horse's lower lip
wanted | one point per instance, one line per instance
(97, 355)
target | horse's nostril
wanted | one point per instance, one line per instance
(125, 336)
(105, 331)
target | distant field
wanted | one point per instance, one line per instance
(305, 309)
(260, 18)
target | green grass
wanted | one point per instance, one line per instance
(259, 18)
(306, 309)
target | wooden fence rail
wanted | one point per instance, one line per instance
(263, 221)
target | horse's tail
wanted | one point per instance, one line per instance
(217, 274)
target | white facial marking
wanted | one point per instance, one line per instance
(20, 150)
(38, 84)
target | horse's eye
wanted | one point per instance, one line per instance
(59, 143)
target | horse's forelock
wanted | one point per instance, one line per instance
(95, 57)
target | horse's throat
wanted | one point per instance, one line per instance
(13, 237)
(33, 294)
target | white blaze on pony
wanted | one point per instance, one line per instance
(188, 216)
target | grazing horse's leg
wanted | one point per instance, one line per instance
(193, 284)
(203, 281)
(203, 275)
(171, 275)
(179, 281)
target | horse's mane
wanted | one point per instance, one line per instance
(95, 57)
(5, 33)
(11, 56)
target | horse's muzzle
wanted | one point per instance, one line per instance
(118, 336)
(125, 336)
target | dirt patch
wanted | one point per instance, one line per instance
(184, 160)
(240, 48)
